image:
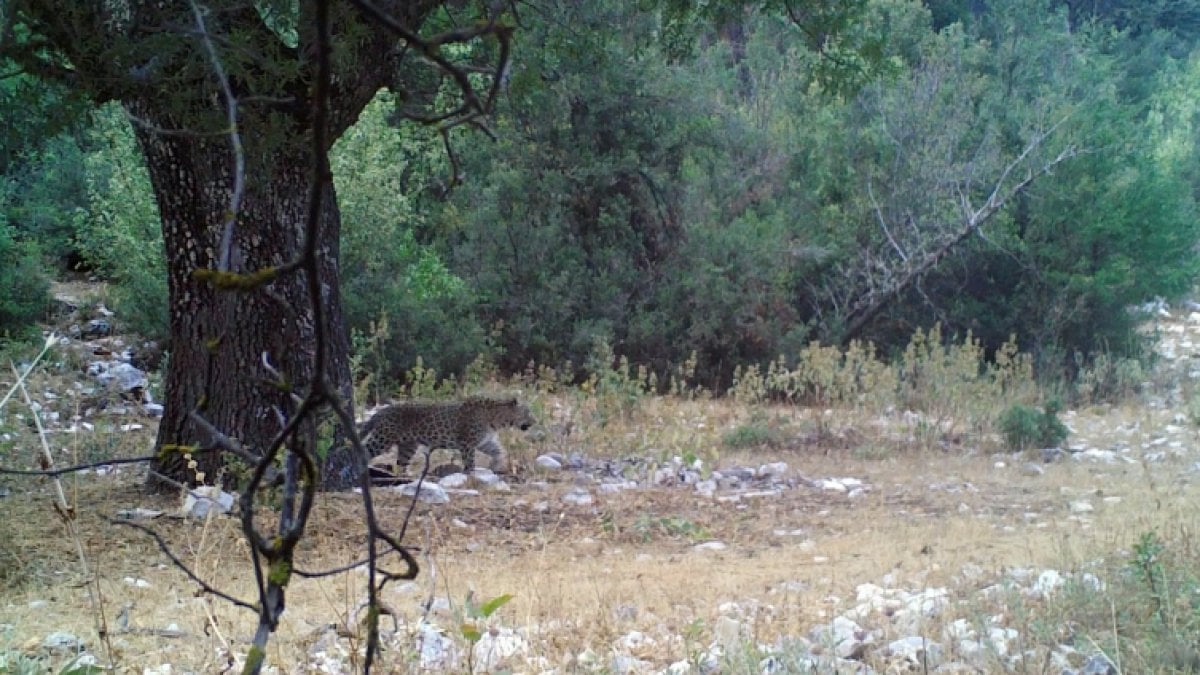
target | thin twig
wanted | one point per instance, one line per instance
(235, 141)
(166, 549)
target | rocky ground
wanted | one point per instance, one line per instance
(762, 561)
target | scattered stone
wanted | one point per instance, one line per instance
(623, 664)
(203, 499)
(1047, 583)
(548, 463)
(772, 470)
(707, 488)
(435, 650)
(484, 476)
(137, 583)
(497, 648)
(121, 375)
(1051, 455)
(153, 409)
(1031, 469)
(635, 641)
(96, 328)
(62, 641)
(729, 633)
(430, 493)
(917, 651)
(454, 481)
(711, 546)
(625, 612)
(832, 485)
(847, 639)
(1082, 506)
(1098, 665)
(578, 496)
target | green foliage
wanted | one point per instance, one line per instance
(650, 527)
(24, 286)
(45, 193)
(386, 271)
(119, 233)
(1025, 427)
(15, 663)
(476, 617)
(757, 432)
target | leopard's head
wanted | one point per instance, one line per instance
(507, 412)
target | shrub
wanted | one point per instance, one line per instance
(120, 234)
(24, 286)
(386, 270)
(1025, 427)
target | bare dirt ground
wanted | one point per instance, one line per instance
(585, 577)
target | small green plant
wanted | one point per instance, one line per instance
(755, 433)
(475, 620)
(15, 663)
(1148, 568)
(647, 527)
(1025, 427)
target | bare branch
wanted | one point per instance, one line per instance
(235, 141)
(166, 549)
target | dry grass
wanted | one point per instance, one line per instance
(583, 576)
(571, 569)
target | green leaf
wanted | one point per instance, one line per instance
(488, 608)
(470, 632)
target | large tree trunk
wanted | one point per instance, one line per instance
(220, 338)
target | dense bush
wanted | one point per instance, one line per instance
(1025, 427)
(24, 286)
(388, 277)
(119, 233)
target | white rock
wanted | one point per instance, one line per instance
(430, 493)
(831, 485)
(1031, 469)
(773, 470)
(1082, 506)
(710, 546)
(729, 633)
(623, 664)
(496, 649)
(548, 463)
(1047, 582)
(484, 476)
(578, 496)
(706, 487)
(454, 481)
(635, 640)
(200, 500)
(62, 641)
(434, 649)
(664, 476)
(918, 651)
(137, 583)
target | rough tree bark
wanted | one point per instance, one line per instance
(175, 67)
(219, 338)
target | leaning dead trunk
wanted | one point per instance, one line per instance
(219, 339)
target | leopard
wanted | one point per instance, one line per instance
(468, 425)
